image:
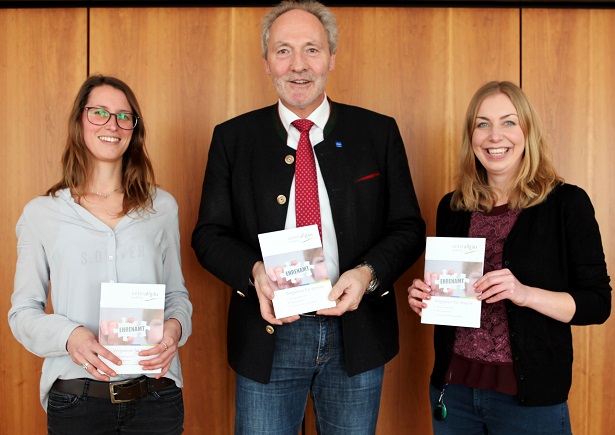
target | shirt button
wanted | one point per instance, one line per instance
(110, 257)
(289, 159)
(281, 199)
(270, 329)
(110, 234)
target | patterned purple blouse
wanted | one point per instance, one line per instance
(482, 356)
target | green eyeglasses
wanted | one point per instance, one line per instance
(100, 116)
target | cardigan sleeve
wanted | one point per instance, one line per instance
(589, 281)
(560, 235)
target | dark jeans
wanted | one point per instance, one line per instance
(309, 359)
(161, 412)
(472, 411)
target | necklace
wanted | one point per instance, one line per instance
(105, 195)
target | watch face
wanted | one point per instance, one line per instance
(373, 284)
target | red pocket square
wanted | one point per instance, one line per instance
(367, 177)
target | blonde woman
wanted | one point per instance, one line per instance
(544, 271)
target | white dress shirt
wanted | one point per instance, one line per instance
(319, 117)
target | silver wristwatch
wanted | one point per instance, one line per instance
(373, 284)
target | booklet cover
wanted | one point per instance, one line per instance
(131, 320)
(297, 271)
(452, 266)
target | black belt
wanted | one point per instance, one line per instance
(117, 392)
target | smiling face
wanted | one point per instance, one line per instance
(299, 60)
(107, 142)
(498, 140)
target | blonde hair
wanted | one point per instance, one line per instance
(536, 177)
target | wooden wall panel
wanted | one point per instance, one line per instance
(42, 61)
(420, 66)
(190, 69)
(568, 64)
(194, 68)
(204, 64)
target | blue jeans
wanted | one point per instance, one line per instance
(472, 411)
(161, 413)
(309, 358)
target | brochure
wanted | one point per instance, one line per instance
(131, 320)
(452, 266)
(297, 270)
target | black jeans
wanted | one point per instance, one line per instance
(161, 412)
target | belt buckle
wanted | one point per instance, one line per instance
(112, 392)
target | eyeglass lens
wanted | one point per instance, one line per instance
(99, 116)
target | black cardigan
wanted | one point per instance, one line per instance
(556, 246)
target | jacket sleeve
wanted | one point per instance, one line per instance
(216, 237)
(402, 241)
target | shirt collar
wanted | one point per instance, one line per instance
(319, 116)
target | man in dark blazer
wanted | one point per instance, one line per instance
(372, 231)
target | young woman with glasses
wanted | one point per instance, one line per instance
(104, 221)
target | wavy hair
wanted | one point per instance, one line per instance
(536, 177)
(320, 11)
(138, 179)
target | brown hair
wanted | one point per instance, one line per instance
(138, 179)
(537, 175)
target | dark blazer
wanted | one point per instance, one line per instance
(556, 246)
(375, 211)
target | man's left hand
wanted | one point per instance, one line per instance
(348, 291)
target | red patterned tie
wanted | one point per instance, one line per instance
(307, 206)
